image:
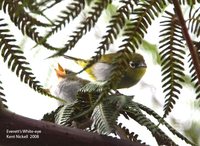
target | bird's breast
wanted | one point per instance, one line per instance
(67, 89)
(102, 71)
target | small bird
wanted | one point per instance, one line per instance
(101, 70)
(69, 84)
(67, 89)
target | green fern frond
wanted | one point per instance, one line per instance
(38, 8)
(31, 5)
(172, 57)
(2, 100)
(18, 15)
(46, 4)
(71, 12)
(194, 78)
(85, 25)
(156, 116)
(64, 114)
(134, 112)
(17, 62)
(68, 113)
(51, 116)
(86, 106)
(104, 117)
(106, 113)
(137, 27)
(130, 135)
(188, 2)
(120, 100)
(194, 21)
(24, 21)
(93, 87)
(117, 22)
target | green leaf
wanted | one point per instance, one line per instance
(105, 117)
(152, 49)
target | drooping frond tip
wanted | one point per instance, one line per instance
(26, 23)
(163, 122)
(135, 113)
(137, 27)
(194, 78)
(129, 135)
(14, 56)
(85, 26)
(193, 21)
(2, 99)
(71, 12)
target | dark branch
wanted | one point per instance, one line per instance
(51, 134)
(192, 49)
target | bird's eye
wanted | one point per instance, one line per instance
(133, 64)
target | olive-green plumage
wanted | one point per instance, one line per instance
(102, 70)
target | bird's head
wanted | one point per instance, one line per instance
(135, 71)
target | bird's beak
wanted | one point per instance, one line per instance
(60, 72)
(143, 64)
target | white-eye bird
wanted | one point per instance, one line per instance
(101, 70)
(68, 85)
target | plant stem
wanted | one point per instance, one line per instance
(192, 49)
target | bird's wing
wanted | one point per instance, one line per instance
(107, 58)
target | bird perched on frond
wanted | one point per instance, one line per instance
(101, 70)
(69, 84)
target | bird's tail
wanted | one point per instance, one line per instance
(73, 58)
(79, 61)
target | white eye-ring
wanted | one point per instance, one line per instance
(134, 64)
